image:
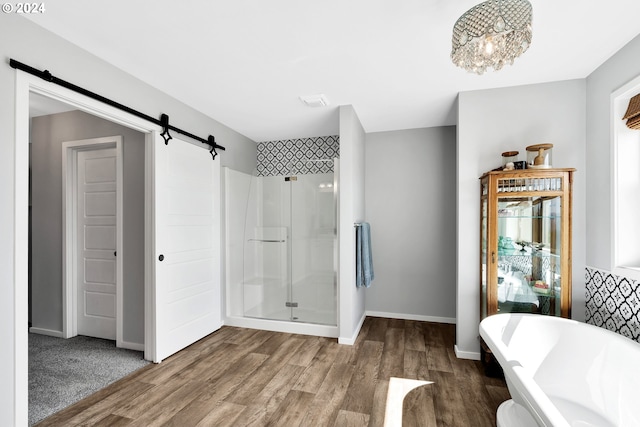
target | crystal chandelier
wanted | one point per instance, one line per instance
(491, 35)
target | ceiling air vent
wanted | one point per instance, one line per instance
(315, 100)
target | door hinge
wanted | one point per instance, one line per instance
(290, 304)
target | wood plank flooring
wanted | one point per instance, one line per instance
(245, 377)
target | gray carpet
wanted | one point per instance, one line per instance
(64, 371)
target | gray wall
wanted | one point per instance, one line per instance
(28, 43)
(497, 120)
(47, 135)
(410, 195)
(351, 208)
(614, 73)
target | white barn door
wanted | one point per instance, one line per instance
(186, 200)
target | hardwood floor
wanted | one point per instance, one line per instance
(245, 377)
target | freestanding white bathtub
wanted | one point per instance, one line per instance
(562, 372)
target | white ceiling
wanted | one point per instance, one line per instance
(246, 62)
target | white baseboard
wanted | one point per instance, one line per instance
(471, 355)
(351, 340)
(48, 332)
(131, 345)
(449, 320)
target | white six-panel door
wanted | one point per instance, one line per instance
(96, 245)
(186, 201)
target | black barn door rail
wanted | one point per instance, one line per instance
(163, 121)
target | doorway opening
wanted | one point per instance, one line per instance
(39, 306)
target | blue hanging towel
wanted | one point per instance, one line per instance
(364, 261)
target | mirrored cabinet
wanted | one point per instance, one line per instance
(525, 246)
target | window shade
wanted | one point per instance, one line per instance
(632, 116)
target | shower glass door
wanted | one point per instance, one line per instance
(267, 250)
(313, 241)
(290, 248)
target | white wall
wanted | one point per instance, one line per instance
(352, 209)
(47, 135)
(410, 194)
(493, 121)
(614, 73)
(28, 43)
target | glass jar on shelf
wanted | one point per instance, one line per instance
(509, 158)
(539, 156)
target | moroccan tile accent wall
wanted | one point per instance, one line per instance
(613, 302)
(298, 156)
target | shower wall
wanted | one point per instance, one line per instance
(282, 157)
(237, 187)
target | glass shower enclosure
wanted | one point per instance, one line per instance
(290, 247)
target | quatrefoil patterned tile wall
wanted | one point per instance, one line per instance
(298, 156)
(613, 302)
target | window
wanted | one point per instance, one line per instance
(625, 186)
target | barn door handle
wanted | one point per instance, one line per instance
(161, 258)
